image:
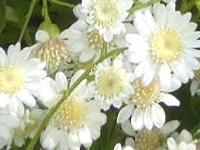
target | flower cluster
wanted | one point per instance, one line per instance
(109, 59)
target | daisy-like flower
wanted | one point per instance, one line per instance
(195, 85)
(29, 123)
(8, 123)
(112, 83)
(143, 107)
(154, 139)
(52, 49)
(106, 16)
(184, 141)
(19, 76)
(166, 46)
(77, 121)
(90, 44)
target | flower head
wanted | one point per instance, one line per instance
(90, 43)
(112, 83)
(19, 77)
(166, 46)
(106, 16)
(143, 107)
(77, 121)
(184, 141)
(53, 50)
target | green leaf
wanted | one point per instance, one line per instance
(2, 14)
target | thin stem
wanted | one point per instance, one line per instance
(45, 12)
(63, 3)
(66, 94)
(32, 5)
(140, 5)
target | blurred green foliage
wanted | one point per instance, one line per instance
(13, 14)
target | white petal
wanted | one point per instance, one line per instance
(185, 136)
(76, 76)
(117, 103)
(86, 56)
(50, 139)
(85, 137)
(124, 114)
(61, 81)
(170, 126)
(137, 119)
(12, 53)
(3, 57)
(5, 133)
(63, 140)
(128, 148)
(127, 128)
(169, 99)
(41, 36)
(118, 147)
(147, 118)
(73, 140)
(9, 121)
(158, 115)
(108, 36)
(4, 100)
(165, 76)
(171, 144)
(26, 98)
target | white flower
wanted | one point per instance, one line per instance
(19, 77)
(182, 142)
(165, 46)
(106, 16)
(112, 83)
(77, 121)
(53, 50)
(154, 139)
(29, 123)
(8, 124)
(143, 107)
(86, 44)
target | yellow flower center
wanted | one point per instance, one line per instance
(111, 82)
(149, 140)
(71, 114)
(145, 95)
(96, 41)
(54, 52)
(11, 79)
(106, 12)
(166, 46)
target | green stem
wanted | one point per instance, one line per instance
(111, 128)
(45, 12)
(140, 5)
(66, 94)
(32, 5)
(63, 3)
